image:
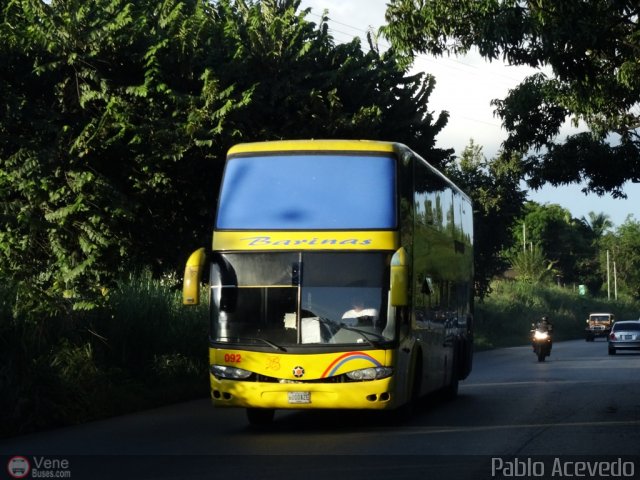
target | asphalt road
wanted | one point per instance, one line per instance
(580, 402)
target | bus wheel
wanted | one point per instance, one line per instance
(260, 417)
(403, 413)
(451, 390)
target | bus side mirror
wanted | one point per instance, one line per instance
(192, 278)
(399, 278)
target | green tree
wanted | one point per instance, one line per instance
(599, 223)
(493, 185)
(531, 265)
(117, 116)
(567, 242)
(110, 106)
(623, 246)
(591, 48)
(306, 86)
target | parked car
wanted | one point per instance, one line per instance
(598, 325)
(625, 335)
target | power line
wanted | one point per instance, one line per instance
(443, 62)
(480, 75)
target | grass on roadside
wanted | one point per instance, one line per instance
(505, 318)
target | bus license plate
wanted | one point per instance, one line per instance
(299, 397)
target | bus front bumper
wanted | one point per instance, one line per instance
(371, 395)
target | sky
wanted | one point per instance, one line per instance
(465, 87)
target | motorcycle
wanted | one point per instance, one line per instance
(541, 342)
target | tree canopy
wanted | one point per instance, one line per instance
(599, 223)
(568, 243)
(623, 246)
(117, 114)
(590, 47)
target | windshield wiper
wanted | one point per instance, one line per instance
(275, 346)
(329, 323)
(271, 344)
(373, 343)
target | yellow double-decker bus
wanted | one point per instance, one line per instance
(340, 277)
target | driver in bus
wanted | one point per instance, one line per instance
(359, 316)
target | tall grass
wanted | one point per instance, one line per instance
(143, 349)
(505, 317)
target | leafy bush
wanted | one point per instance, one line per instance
(532, 265)
(140, 350)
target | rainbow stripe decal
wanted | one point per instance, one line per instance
(347, 357)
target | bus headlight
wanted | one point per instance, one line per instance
(372, 373)
(233, 373)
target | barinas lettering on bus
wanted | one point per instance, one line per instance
(264, 241)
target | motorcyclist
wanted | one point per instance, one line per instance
(545, 325)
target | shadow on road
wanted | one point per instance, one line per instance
(319, 421)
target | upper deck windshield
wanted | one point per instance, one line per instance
(280, 300)
(308, 191)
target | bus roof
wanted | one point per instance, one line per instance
(330, 145)
(313, 145)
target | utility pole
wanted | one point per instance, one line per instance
(615, 281)
(608, 280)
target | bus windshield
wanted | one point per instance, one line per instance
(301, 298)
(308, 191)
